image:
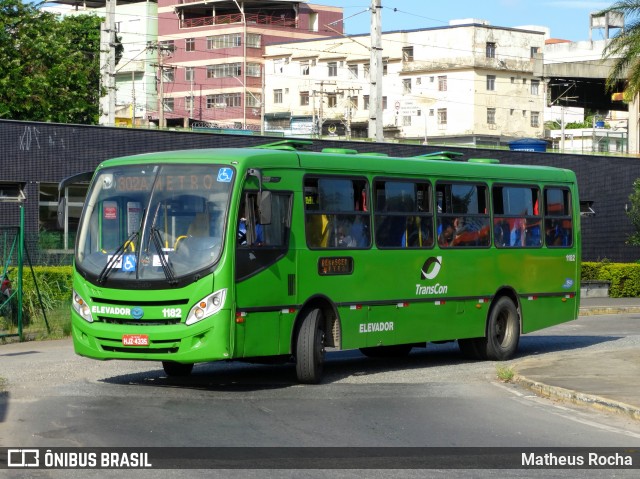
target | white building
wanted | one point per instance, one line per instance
(468, 82)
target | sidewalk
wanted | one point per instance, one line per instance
(607, 380)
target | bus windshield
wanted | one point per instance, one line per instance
(153, 222)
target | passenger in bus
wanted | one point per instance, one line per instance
(416, 234)
(518, 233)
(359, 233)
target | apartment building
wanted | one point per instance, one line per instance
(210, 53)
(467, 82)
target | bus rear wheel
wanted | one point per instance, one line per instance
(310, 348)
(395, 351)
(503, 330)
(173, 369)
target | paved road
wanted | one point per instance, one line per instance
(433, 398)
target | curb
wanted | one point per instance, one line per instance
(596, 310)
(579, 398)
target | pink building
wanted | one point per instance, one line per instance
(211, 55)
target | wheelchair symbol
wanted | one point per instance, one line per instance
(225, 175)
(129, 262)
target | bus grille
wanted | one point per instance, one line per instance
(138, 322)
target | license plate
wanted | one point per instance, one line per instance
(135, 340)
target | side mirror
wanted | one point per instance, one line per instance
(264, 206)
(62, 210)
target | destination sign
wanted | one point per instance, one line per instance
(335, 266)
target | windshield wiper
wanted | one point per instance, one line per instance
(102, 277)
(166, 267)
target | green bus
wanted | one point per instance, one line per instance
(278, 252)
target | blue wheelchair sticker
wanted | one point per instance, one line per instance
(129, 262)
(225, 175)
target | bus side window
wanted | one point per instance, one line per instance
(558, 222)
(336, 213)
(516, 222)
(403, 214)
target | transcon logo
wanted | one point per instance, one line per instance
(431, 267)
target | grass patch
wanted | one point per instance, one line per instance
(35, 328)
(505, 373)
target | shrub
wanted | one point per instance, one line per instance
(624, 277)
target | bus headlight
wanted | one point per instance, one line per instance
(206, 307)
(81, 307)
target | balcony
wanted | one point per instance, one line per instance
(282, 21)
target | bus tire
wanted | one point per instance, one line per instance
(503, 330)
(395, 351)
(177, 370)
(310, 348)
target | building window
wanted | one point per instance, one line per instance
(442, 116)
(406, 85)
(332, 100)
(253, 100)
(224, 100)
(384, 102)
(277, 96)
(535, 85)
(168, 46)
(304, 67)
(365, 70)
(491, 116)
(253, 70)
(188, 103)
(333, 69)
(224, 41)
(365, 102)
(491, 50)
(353, 101)
(534, 51)
(224, 70)
(442, 83)
(406, 120)
(491, 82)
(304, 98)
(168, 104)
(353, 71)
(168, 74)
(254, 40)
(51, 237)
(384, 68)
(535, 119)
(524, 81)
(189, 74)
(190, 44)
(407, 54)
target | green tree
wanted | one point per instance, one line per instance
(49, 67)
(634, 214)
(624, 49)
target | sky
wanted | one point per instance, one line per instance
(566, 19)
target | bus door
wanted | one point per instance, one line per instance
(265, 275)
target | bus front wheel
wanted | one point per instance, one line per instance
(503, 330)
(174, 369)
(310, 348)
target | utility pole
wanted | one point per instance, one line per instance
(108, 65)
(375, 73)
(133, 98)
(244, 64)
